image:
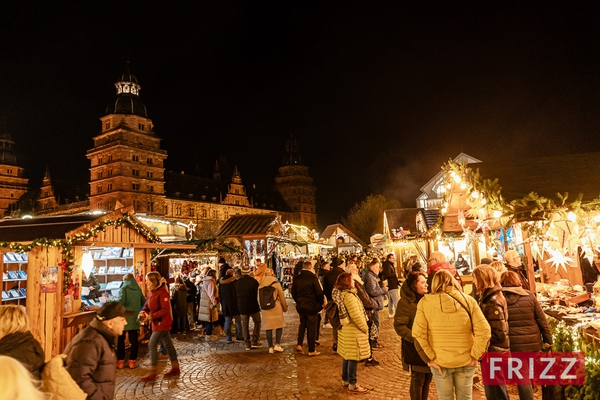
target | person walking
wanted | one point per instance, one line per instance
(528, 328)
(493, 306)
(310, 300)
(90, 355)
(273, 319)
(376, 293)
(16, 340)
(451, 334)
(207, 308)
(246, 289)
(391, 275)
(412, 291)
(132, 298)
(157, 312)
(353, 338)
(229, 306)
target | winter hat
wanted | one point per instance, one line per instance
(222, 261)
(486, 260)
(112, 309)
(245, 270)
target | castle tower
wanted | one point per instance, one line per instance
(13, 184)
(296, 187)
(127, 163)
(46, 200)
(236, 193)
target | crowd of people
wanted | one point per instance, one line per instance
(444, 332)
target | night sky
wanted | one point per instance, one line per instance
(379, 96)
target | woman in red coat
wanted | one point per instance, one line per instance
(157, 311)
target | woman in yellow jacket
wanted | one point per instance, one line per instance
(451, 335)
(353, 338)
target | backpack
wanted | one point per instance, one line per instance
(333, 315)
(58, 383)
(266, 297)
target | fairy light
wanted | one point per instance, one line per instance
(571, 216)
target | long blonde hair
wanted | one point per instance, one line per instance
(442, 281)
(16, 382)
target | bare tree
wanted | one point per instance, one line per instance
(366, 218)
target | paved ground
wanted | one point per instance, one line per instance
(216, 370)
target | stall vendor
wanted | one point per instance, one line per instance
(92, 284)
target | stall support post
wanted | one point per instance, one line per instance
(530, 271)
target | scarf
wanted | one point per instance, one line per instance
(337, 297)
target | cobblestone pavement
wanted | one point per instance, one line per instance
(217, 370)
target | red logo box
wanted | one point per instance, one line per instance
(533, 368)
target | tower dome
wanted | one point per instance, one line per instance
(7, 155)
(128, 97)
(292, 156)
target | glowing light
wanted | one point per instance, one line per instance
(483, 201)
(456, 178)
(475, 194)
(26, 217)
(571, 216)
(558, 260)
(463, 185)
(497, 214)
(444, 210)
(597, 218)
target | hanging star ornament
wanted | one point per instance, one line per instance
(191, 228)
(558, 260)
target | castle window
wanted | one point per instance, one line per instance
(135, 172)
(135, 186)
(149, 161)
(150, 188)
(107, 125)
(178, 210)
(9, 171)
(99, 188)
(237, 202)
(149, 174)
(109, 172)
(135, 157)
(150, 206)
(109, 186)
(100, 160)
(136, 205)
(100, 175)
(226, 214)
(166, 209)
(141, 126)
(215, 214)
(191, 211)
(109, 157)
(204, 214)
(12, 195)
(203, 197)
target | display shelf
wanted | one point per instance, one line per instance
(14, 278)
(110, 265)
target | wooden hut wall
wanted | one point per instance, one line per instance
(44, 309)
(551, 274)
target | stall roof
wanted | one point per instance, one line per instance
(407, 218)
(248, 224)
(26, 230)
(572, 173)
(330, 230)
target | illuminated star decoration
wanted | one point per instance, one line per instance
(558, 260)
(191, 228)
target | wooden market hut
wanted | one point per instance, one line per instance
(57, 244)
(342, 239)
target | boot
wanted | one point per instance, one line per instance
(150, 376)
(174, 371)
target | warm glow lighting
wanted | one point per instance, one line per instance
(456, 178)
(27, 217)
(87, 263)
(571, 216)
(463, 185)
(444, 210)
(475, 194)
(597, 218)
(483, 201)
(497, 214)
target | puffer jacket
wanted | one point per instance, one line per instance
(444, 333)
(229, 305)
(403, 323)
(493, 306)
(353, 338)
(91, 361)
(132, 298)
(158, 306)
(208, 299)
(23, 347)
(273, 318)
(527, 322)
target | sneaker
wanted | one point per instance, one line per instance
(376, 347)
(357, 390)
(271, 351)
(131, 364)
(328, 326)
(210, 337)
(248, 348)
(278, 348)
(256, 345)
(371, 363)
(229, 341)
(239, 340)
(120, 364)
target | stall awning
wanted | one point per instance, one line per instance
(249, 224)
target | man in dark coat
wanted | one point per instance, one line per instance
(91, 359)
(191, 302)
(390, 274)
(223, 267)
(247, 300)
(229, 305)
(310, 300)
(376, 293)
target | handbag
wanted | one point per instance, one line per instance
(467, 310)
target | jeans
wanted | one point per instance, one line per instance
(208, 328)
(525, 392)
(278, 333)
(308, 323)
(250, 340)
(349, 372)
(393, 300)
(163, 337)
(179, 323)
(190, 315)
(496, 392)
(238, 327)
(419, 385)
(133, 351)
(459, 379)
(374, 341)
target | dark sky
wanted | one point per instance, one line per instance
(379, 95)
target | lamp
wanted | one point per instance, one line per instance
(87, 263)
